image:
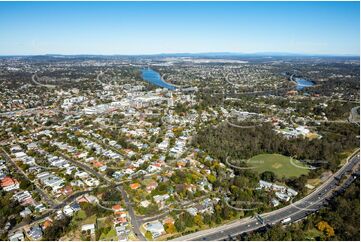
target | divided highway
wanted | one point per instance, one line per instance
(296, 211)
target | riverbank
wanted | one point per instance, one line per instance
(301, 83)
(155, 78)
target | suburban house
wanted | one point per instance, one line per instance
(155, 228)
(17, 236)
(9, 184)
(134, 186)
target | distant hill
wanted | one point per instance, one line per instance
(226, 55)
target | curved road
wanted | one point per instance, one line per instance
(40, 84)
(134, 220)
(295, 211)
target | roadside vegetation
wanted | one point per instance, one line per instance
(338, 222)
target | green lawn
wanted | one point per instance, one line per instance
(104, 222)
(281, 165)
(111, 235)
(90, 220)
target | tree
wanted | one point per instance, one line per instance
(324, 227)
(189, 222)
(207, 219)
(169, 228)
(24, 184)
(211, 178)
(55, 231)
(16, 128)
(226, 214)
(268, 176)
(179, 225)
(80, 215)
(339, 221)
(112, 195)
(198, 220)
(148, 235)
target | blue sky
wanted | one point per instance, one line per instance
(175, 27)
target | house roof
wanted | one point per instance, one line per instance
(97, 164)
(154, 226)
(117, 207)
(134, 186)
(82, 199)
(8, 181)
(168, 220)
(47, 223)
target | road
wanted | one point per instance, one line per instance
(295, 211)
(29, 112)
(134, 220)
(354, 118)
(45, 196)
(54, 206)
(40, 84)
(98, 80)
(51, 211)
(169, 208)
(133, 217)
(88, 169)
(354, 115)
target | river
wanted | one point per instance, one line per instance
(302, 83)
(154, 77)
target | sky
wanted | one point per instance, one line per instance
(32, 28)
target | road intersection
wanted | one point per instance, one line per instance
(296, 211)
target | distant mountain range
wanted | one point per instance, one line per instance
(190, 55)
(216, 54)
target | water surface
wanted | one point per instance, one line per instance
(302, 83)
(154, 77)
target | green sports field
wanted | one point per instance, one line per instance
(281, 165)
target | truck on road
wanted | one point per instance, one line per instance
(286, 220)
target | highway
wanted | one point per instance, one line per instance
(295, 211)
(98, 80)
(40, 84)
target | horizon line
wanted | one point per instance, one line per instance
(269, 53)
